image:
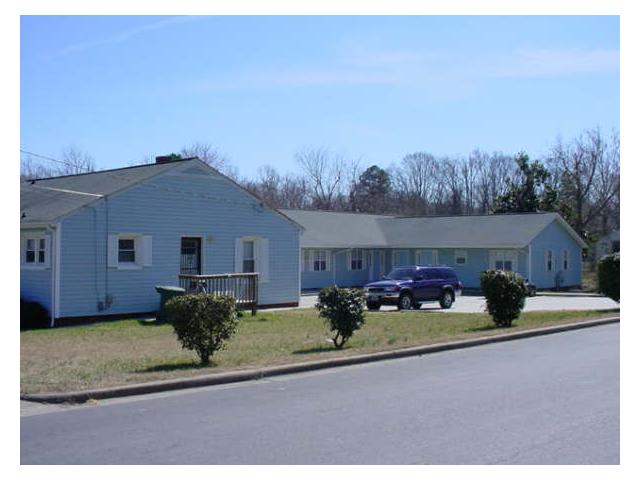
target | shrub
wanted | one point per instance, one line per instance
(203, 322)
(343, 310)
(505, 293)
(609, 276)
(33, 315)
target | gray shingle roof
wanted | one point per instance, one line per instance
(344, 230)
(47, 199)
(338, 229)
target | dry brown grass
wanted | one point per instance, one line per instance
(130, 351)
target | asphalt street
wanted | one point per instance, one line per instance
(552, 399)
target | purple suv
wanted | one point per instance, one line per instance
(409, 287)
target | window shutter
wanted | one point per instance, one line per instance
(112, 251)
(47, 250)
(23, 250)
(329, 262)
(349, 257)
(263, 259)
(147, 251)
(306, 262)
(238, 256)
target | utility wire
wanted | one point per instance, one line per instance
(50, 159)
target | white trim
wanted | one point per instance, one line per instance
(36, 236)
(57, 272)
(530, 263)
(504, 255)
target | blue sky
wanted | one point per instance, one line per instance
(262, 88)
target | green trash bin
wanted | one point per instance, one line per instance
(166, 292)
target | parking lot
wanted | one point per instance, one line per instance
(475, 303)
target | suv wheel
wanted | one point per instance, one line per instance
(446, 300)
(405, 302)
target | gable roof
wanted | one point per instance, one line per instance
(350, 230)
(46, 200)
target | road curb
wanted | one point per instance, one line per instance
(255, 374)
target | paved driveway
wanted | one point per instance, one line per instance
(475, 304)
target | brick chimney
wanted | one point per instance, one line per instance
(165, 158)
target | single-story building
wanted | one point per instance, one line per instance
(98, 243)
(351, 249)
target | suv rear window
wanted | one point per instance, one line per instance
(447, 273)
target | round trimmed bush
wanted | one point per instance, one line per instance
(609, 276)
(203, 322)
(505, 293)
(343, 310)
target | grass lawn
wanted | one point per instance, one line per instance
(131, 351)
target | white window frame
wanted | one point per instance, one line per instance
(318, 255)
(548, 261)
(393, 258)
(504, 256)
(460, 254)
(41, 244)
(136, 250)
(353, 260)
(565, 260)
(253, 258)
(143, 248)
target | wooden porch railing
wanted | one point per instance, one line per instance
(241, 286)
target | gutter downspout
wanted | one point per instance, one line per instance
(55, 272)
(530, 264)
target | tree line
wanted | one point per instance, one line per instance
(580, 179)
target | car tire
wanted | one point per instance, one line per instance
(373, 306)
(532, 292)
(405, 302)
(446, 299)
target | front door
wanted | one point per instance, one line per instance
(191, 256)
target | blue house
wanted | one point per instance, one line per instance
(351, 249)
(98, 243)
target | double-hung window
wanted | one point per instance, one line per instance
(549, 263)
(356, 260)
(35, 251)
(248, 256)
(565, 259)
(319, 260)
(127, 250)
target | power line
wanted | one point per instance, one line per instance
(52, 159)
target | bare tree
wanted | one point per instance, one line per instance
(211, 156)
(325, 173)
(586, 173)
(71, 162)
(31, 169)
(75, 161)
(417, 184)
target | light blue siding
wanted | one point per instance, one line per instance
(167, 208)
(35, 285)
(478, 259)
(556, 238)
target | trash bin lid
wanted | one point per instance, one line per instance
(169, 288)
